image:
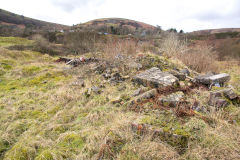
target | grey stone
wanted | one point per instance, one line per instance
(107, 75)
(220, 78)
(204, 79)
(146, 95)
(96, 90)
(180, 76)
(134, 65)
(93, 89)
(79, 83)
(154, 77)
(139, 91)
(230, 94)
(209, 79)
(216, 99)
(221, 103)
(171, 100)
(185, 71)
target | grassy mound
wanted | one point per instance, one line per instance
(45, 114)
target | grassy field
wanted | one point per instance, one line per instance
(10, 41)
(46, 115)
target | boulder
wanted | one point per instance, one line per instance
(155, 78)
(171, 100)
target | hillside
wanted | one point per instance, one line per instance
(226, 42)
(11, 23)
(117, 26)
(102, 106)
(214, 31)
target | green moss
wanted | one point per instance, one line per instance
(168, 123)
(72, 141)
(9, 85)
(54, 110)
(32, 114)
(116, 142)
(6, 64)
(150, 61)
(4, 146)
(45, 155)
(20, 152)
(60, 129)
(233, 113)
(2, 72)
(30, 70)
(48, 77)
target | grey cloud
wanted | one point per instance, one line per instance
(218, 15)
(70, 5)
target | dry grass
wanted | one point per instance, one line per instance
(53, 119)
(199, 58)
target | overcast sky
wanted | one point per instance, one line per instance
(188, 15)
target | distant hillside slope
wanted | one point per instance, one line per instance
(14, 24)
(215, 31)
(226, 41)
(118, 26)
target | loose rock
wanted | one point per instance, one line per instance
(155, 78)
(216, 99)
(171, 100)
(185, 71)
(147, 95)
(230, 94)
(180, 76)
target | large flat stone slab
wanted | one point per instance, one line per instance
(155, 78)
(212, 79)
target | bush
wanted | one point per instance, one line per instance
(42, 45)
(172, 46)
(82, 42)
(200, 58)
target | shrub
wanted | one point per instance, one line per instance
(42, 45)
(82, 42)
(172, 46)
(200, 58)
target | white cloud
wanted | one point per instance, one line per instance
(188, 15)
